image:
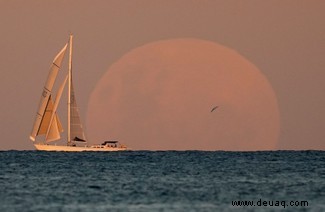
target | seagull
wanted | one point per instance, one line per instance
(214, 108)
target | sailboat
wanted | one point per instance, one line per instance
(47, 125)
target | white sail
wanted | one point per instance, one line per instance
(76, 130)
(46, 94)
(46, 120)
(54, 129)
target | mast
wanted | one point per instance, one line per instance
(69, 90)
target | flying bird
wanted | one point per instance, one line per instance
(214, 108)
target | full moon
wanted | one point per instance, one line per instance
(184, 94)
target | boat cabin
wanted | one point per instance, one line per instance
(110, 143)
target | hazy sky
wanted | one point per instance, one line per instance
(159, 96)
(284, 39)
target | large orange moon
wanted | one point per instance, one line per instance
(159, 97)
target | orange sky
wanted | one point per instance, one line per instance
(159, 97)
(284, 39)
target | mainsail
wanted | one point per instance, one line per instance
(46, 101)
(76, 129)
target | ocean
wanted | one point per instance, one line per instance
(162, 181)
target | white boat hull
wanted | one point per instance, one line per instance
(46, 147)
(47, 122)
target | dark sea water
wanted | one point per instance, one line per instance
(162, 181)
